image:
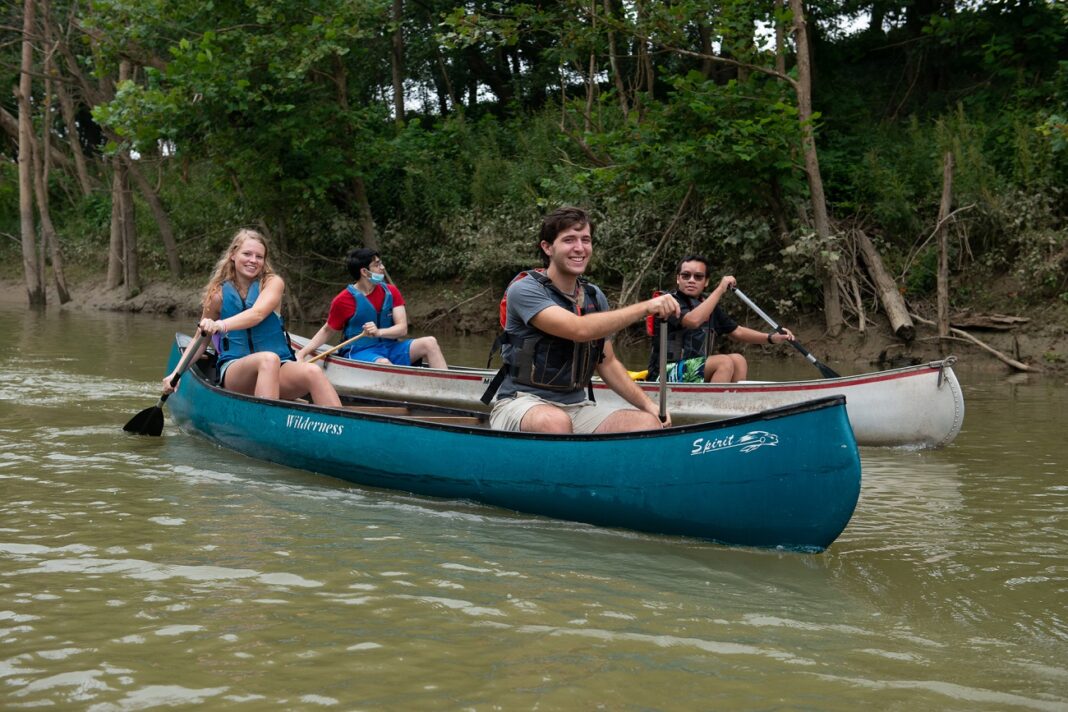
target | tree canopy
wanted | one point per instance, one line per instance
(439, 131)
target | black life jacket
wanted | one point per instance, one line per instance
(682, 343)
(545, 361)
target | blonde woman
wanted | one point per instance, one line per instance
(240, 306)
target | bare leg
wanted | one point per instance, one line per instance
(545, 419)
(741, 367)
(298, 378)
(255, 374)
(427, 347)
(719, 369)
(627, 420)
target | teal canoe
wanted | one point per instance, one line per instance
(787, 477)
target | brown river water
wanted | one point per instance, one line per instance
(140, 573)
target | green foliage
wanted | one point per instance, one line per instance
(278, 112)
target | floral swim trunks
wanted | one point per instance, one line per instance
(692, 370)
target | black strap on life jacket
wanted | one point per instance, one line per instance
(505, 338)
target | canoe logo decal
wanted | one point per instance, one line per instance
(753, 440)
(303, 422)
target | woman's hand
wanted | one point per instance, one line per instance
(213, 326)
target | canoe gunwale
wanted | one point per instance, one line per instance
(790, 485)
(917, 406)
(413, 420)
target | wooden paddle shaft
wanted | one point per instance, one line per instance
(331, 350)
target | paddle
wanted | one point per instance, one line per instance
(663, 370)
(331, 350)
(825, 370)
(150, 420)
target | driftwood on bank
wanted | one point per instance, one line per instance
(1018, 365)
(987, 322)
(889, 295)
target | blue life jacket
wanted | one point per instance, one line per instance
(268, 335)
(365, 312)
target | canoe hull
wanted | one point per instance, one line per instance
(917, 406)
(787, 478)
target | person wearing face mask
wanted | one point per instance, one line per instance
(691, 336)
(375, 308)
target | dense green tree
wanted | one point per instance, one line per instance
(677, 123)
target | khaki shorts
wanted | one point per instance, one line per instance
(586, 416)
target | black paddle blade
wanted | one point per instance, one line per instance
(827, 371)
(148, 422)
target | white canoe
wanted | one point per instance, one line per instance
(915, 406)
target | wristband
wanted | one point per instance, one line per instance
(769, 338)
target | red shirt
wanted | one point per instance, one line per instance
(344, 306)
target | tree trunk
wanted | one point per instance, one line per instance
(704, 32)
(832, 304)
(359, 189)
(889, 295)
(163, 221)
(81, 169)
(66, 106)
(115, 254)
(367, 221)
(780, 41)
(31, 265)
(613, 60)
(131, 275)
(591, 92)
(49, 239)
(943, 246)
(447, 83)
(397, 56)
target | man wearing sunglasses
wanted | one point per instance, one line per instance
(691, 336)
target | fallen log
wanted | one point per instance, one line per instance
(889, 295)
(1018, 365)
(988, 322)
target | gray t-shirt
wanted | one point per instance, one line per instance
(527, 297)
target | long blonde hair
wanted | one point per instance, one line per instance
(224, 268)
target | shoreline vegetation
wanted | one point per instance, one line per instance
(1038, 338)
(870, 170)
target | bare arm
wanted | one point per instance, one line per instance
(699, 316)
(167, 387)
(557, 321)
(322, 336)
(614, 374)
(746, 335)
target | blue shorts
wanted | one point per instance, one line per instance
(396, 352)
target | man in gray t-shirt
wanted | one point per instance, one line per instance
(557, 332)
(526, 298)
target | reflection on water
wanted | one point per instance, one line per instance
(142, 572)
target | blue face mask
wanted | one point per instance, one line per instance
(378, 278)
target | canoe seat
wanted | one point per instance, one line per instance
(405, 412)
(381, 409)
(450, 419)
